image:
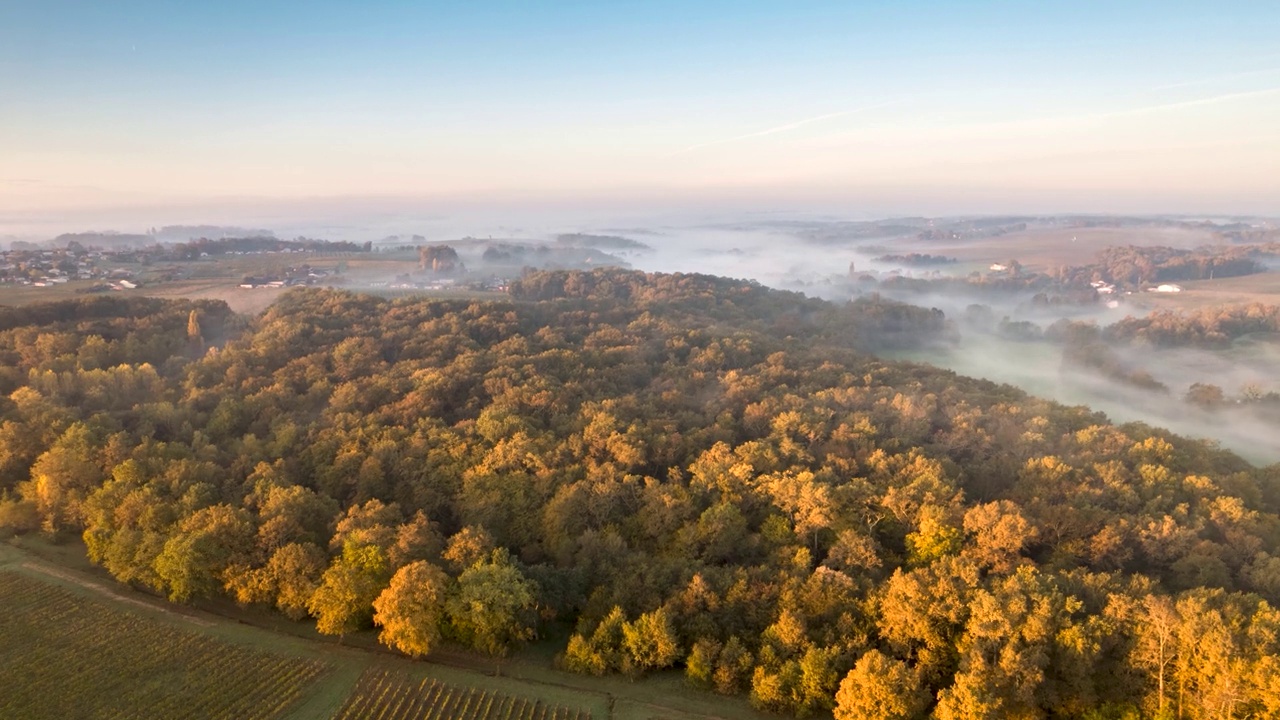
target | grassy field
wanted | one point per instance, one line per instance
(75, 644)
(227, 289)
(1260, 287)
(1043, 248)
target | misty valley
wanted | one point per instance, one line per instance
(1094, 334)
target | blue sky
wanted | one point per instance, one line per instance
(1087, 105)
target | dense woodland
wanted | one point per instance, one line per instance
(1135, 266)
(602, 242)
(1217, 328)
(917, 259)
(691, 472)
(1029, 290)
(1127, 350)
(1214, 327)
(195, 249)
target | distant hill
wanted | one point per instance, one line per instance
(607, 242)
(205, 246)
(183, 233)
(107, 239)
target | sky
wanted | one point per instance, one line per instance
(924, 107)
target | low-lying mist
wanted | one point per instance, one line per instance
(788, 260)
(1038, 368)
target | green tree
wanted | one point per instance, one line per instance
(1009, 640)
(818, 680)
(344, 601)
(651, 641)
(492, 610)
(601, 652)
(700, 666)
(733, 667)
(62, 478)
(206, 544)
(777, 689)
(935, 537)
(294, 514)
(18, 516)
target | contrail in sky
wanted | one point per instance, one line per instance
(1220, 78)
(1129, 112)
(785, 128)
(1191, 103)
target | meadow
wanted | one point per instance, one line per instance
(1198, 294)
(1044, 248)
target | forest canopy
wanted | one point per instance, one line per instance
(689, 471)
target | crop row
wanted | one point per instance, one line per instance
(62, 655)
(387, 695)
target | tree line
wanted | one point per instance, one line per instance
(1136, 266)
(194, 249)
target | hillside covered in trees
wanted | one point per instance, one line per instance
(691, 472)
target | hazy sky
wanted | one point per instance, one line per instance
(1054, 105)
